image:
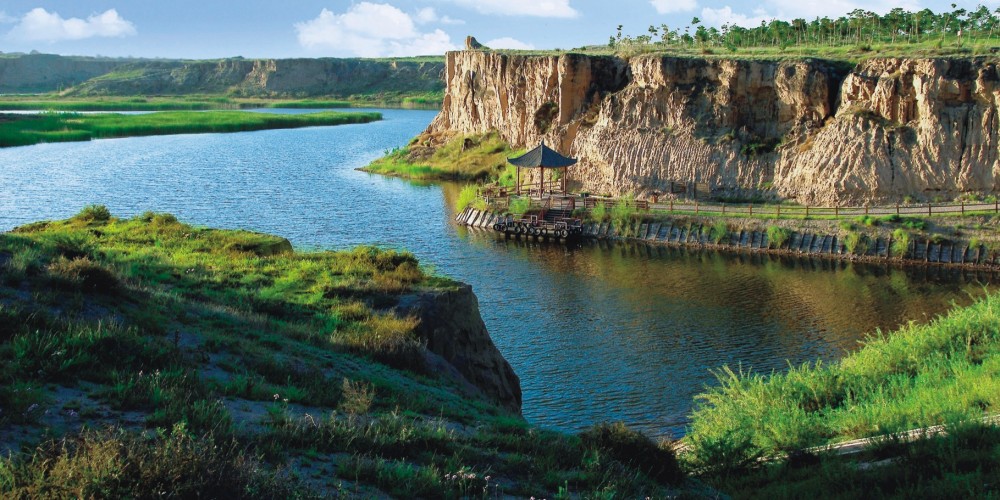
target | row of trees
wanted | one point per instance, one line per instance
(859, 27)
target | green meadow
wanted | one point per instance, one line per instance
(23, 130)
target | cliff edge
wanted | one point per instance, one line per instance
(808, 130)
(452, 327)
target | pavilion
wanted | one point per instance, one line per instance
(542, 157)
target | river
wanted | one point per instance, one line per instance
(595, 331)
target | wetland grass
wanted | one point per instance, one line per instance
(23, 130)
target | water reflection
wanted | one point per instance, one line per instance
(596, 331)
(632, 331)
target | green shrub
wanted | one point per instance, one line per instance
(622, 213)
(719, 232)
(900, 242)
(868, 220)
(634, 449)
(468, 195)
(914, 223)
(119, 464)
(519, 206)
(599, 212)
(84, 274)
(93, 213)
(855, 243)
(777, 236)
(356, 397)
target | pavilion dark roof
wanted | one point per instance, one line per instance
(543, 157)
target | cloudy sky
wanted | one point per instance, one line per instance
(315, 28)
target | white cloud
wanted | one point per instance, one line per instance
(725, 15)
(42, 25)
(792, 9)
(508, 43)
(428, 15)
(537, 8)
(372, 30)
(5, 19)
(671, 6)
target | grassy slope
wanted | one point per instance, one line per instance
(485, 157)
(21, 130)
(260, 370)
(922, 375)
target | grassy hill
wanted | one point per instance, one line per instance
(147, 355)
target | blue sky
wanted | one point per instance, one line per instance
(319, 28)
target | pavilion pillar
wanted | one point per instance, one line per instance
(517, 182)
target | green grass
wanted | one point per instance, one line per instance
(963, 464)
(309, 104)
(21, 130)
(473, 157)
(778, 236)
(245, 360)
(466, 197)
(918, 376)
(848, 53)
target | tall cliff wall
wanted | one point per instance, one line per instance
(809, 130)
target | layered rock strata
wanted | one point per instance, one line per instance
(808, 130)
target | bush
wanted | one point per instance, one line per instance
(900, 242)
(855, 243)
(117, 464)
(466, 197)
(519, 206)
(93, 213)
(599, 212)
(777, 236)
(634, 449)
(719, 232)
(356, 397)
(622, 213)
(84, 274)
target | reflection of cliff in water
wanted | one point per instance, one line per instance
(635, 329)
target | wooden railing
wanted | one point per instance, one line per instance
(501, 199)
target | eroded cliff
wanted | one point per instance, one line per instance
(453, 329)
(808, 130)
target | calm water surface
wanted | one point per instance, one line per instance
(596, 332)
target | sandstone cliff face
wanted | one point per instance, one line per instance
(451, 325)
(806, 130)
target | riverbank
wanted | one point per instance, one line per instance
(44, 102)
(24, 130)
(942, 373)
(461, 158)
(288, 373)
(968, 241)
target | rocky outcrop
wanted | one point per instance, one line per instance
(452, 327)
(808, 130)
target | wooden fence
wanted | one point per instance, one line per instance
(777, 210)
